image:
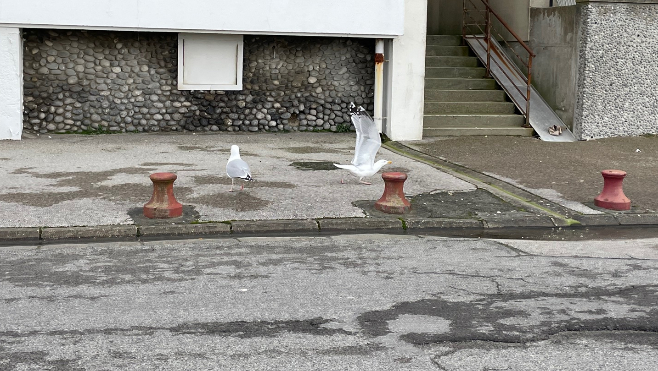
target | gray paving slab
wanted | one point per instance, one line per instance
(75, 180)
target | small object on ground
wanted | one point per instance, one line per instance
(612, 197)
(367, 145)
(393, 200)
(163, 204)
(237, 168)
(555, 130)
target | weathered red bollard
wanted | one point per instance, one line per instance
(163, 204)
(612, 197)
(393, 201)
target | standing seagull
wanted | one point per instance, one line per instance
(237, 168)
(367, 145)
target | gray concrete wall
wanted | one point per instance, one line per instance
(553, 35)
(433, 12)
(515, 13)
(617, 69)
(444, 17)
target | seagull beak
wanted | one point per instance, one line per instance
(390, 162)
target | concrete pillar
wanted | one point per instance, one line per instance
(405, 75)
(617, 72)
(11, 83)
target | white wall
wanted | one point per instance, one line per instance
(303, 17)
(11, 83)
(406, 75)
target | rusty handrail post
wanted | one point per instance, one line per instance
(527, 107)
(488, 36)
(514, 34)
(463, 22)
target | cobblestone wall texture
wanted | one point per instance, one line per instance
(97, 81)
(617, 70)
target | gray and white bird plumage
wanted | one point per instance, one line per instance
(368, 143)
(237, 167)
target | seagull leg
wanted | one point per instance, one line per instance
(242, 187)
(362, 182)
(342, 181)
(231, 190)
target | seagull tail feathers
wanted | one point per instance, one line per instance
(348, 167)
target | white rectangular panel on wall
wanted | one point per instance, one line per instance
(210, 62)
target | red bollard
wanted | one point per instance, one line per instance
(163, 204)
(612, 197)
(393, 201)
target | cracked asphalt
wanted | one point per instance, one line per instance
(351, 302)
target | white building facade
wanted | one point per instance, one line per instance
(255, 65)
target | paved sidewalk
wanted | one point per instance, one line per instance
(76, 186)
(568, 171)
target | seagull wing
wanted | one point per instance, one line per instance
(367, 139)
(237, 168)
(357, 121)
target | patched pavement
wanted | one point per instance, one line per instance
(350, 302)
(95, 186)
(73, 180)
(568, 173)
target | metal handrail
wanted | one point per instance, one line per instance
(487, 13)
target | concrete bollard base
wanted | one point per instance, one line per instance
(393, 200)
(612, 197)
(163, 204)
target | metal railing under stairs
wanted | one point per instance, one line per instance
(484, 26)
(508, 59)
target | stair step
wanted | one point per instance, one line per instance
(454, 132)
(433, 95)
(448, 72)
(460, 84)
(448, 40)
(472, 121)
(459, 101)
(441, 50)
(468, 108)
(451, 61)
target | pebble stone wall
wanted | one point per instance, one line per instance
(617, 81)
(97, 81)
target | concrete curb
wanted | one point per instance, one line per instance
(360, 224)
(149, 231)
(394, 224)
(9, 234)
(274, 226)
(102, 231)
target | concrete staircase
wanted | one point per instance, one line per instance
(459, 100)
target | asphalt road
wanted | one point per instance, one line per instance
(354, 302)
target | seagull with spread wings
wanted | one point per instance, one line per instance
(367, 145)
(237, 167)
